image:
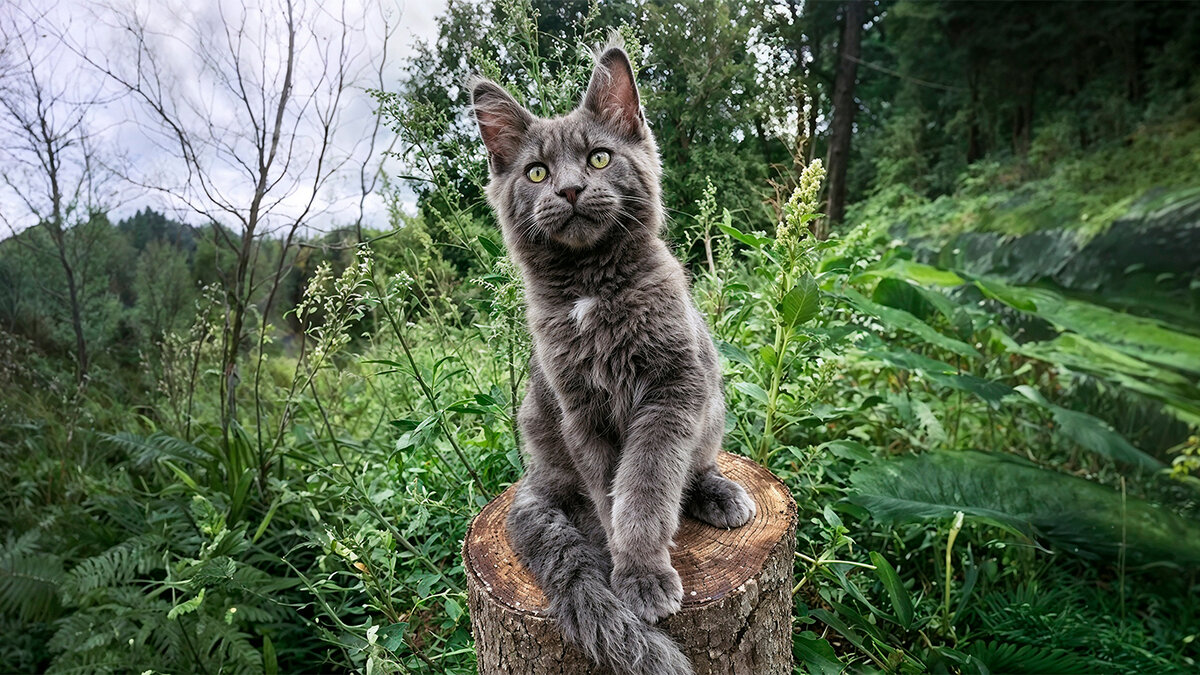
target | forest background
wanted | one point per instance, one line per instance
(948, 250)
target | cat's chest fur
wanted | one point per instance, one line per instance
(597, 339)
(611, 341)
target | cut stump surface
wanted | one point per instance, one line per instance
(736, 614)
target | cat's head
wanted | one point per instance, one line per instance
(577, 180)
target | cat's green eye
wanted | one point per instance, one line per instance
(536, 173)
(599, 159)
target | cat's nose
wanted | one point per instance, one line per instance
(571, 193)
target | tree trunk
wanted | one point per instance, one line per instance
(844, 107)
(81, 350)
(59, 237)
(737, 609)
(975, 149)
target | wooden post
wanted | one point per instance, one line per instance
(737, 603)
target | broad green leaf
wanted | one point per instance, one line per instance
(467, 407)
(1145, 339)
(940, 373)
(490, 246)
(425, 585)
(404, 425)
(903, 321)
(418, 435)
(752, 390)
(1180, 395)
(902, 295)
(1083, 353)
(897, 593)
(847, 449)
(1074, 514)
(485, 399)
(750, 240)
(832, 518)
(514, 458)
(734, 353)
(1004, 293)
(1095, 435)
(1092, 433)
(926, 275)
(801, 303)
(393, 635)
(903, 358)
(767, 354)
(988, 390)
(816, 654)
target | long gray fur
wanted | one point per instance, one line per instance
(624, 412)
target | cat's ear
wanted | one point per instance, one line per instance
(502, 122)
(612, 94)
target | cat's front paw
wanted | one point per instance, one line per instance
(652, 593)
(721, 502)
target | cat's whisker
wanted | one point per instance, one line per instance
(616, 220)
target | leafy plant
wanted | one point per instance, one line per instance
(1071, 513)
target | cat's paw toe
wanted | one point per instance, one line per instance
(723, 504)
(651, 594)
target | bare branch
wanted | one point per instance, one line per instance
(249, 98)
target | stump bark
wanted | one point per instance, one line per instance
(737, 606)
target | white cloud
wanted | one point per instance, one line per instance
(192, 45)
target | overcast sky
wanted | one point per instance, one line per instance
(182, 32)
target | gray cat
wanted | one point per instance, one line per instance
(624, 413)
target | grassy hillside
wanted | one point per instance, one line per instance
(1057, 185)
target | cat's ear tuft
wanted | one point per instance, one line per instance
(502, 122)
(612, 94)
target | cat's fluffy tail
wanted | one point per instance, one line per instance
(573, 573)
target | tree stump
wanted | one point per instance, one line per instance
(737, 604)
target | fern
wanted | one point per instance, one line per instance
(229, 645)
(1035, 614)
(929, 422)
(143, 629)
(94, 662)
(148, 450)
(1000, 657)
(29, 579)
(115, 566)
(217, 571)
(81, 631)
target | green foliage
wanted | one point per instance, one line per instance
(1071, 513)
(1012, 658)
(164, 291)
(976, 102)
(29, 579)
(992, 472)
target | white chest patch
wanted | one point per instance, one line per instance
(581, 309)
